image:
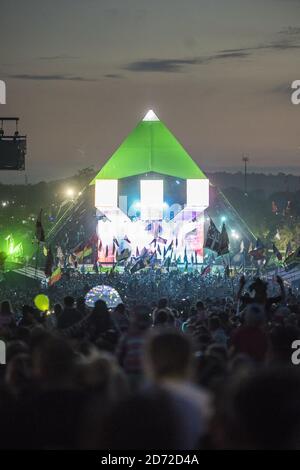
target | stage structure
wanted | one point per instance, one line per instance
(150, 197)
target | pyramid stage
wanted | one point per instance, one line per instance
(150, 198)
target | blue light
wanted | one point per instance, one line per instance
(165, 205)
(223, 218)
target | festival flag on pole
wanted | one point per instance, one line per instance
(161, 240)
(170, 246)
(258, 252)
(274, 207)
(185, 258)
(206, 270)
(55, 276)
(123, 255)
(293, 260)
(277, 252)
(115, 242)
(186, 266)
(288, 250)
(223, 242)
(212, 237)
(49, 263)
(154, 242)
(39, 230)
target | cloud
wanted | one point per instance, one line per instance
(178, 65)
(58, 57)
(114, 75)
(159, 65)
(287, 38)
(58, 77)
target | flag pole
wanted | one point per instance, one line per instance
(37, 258)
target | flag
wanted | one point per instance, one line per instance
(55, 276)
(259, 251)
(39, 230)
(170, 246)
(288, 250)
(140, 264)
(227, 271)
(223, 242)
(49, 263)
(212, 237)
(154, 242)
(206, 270)
(274, 207)
(123, 255)
(277, 252)
(185, 258)
(293, 260)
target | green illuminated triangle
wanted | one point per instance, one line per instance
(150, 147)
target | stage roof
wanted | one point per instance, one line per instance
(150, 147)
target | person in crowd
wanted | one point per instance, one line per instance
(218, 334)
(6, 315)
(120, 318)
(70, 315)
(131, 345)
(261, 411)
(81, 306)
(100, 321)
(251, 338)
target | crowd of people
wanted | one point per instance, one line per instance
(183, 363)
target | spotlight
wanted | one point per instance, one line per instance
(223, 218)
(70, 192)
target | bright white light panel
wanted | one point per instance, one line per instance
(152, 198)
(106, 193)
(197, 193)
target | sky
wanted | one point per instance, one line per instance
(80, 74)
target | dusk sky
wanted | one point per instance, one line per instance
(81, 73)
